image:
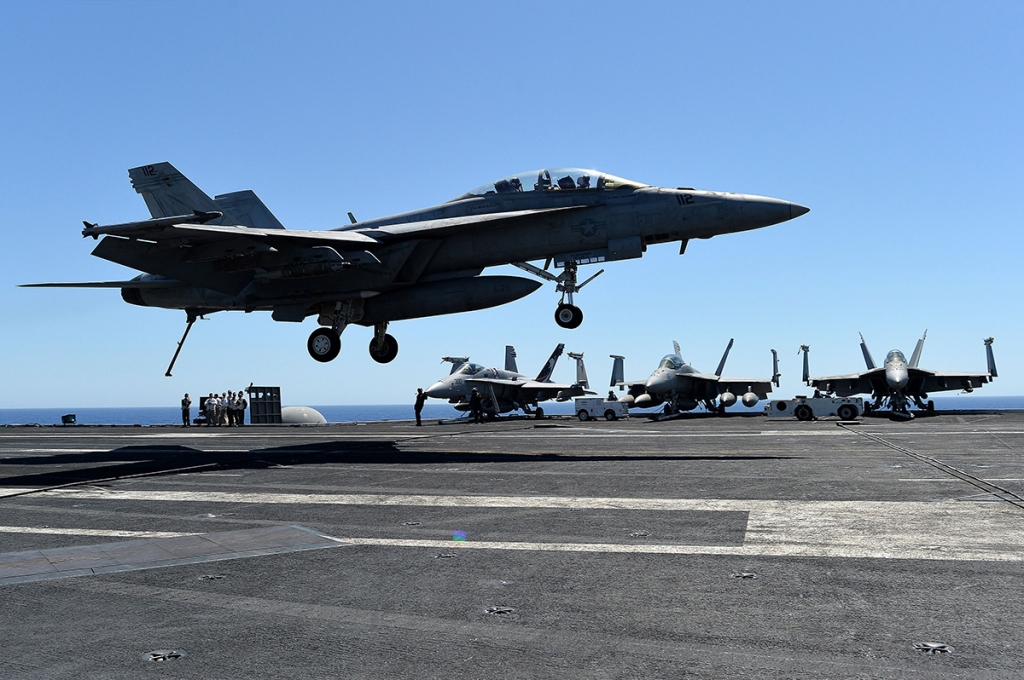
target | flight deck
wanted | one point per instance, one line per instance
(702, 547)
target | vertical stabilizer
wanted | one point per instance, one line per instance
(867, 353)
(618, 371)
(549, 366)
(247, 209)
(807, 370)
(775, 368)
(721, 364)
(510, 359)
(167, 193)
(675, 346)
(581, 370)
(991, 357)
(916, 356)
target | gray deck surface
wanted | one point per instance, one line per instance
(704, 547)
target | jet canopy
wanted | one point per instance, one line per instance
(469, 369)
(671, 361)
(895, 355)
(555, 179)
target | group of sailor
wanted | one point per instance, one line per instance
(227, 409)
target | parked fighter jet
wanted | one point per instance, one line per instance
(506, 390)
(205, 255)
(681, 387)
(896, 383)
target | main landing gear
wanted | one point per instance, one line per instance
(567, 315)
(324, 343)
(383, 347)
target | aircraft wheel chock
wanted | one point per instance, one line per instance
(323, 344)
(568, 316)
(386, 351)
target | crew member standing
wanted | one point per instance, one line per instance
(186, 411)
(242, 405)
(476, 406)
(420, 400)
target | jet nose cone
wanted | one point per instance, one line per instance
(897, 378)
(657, 383)
(437, 391)
(796, 210)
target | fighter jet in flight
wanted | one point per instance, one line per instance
(507, 390)
(897, 382)
(204, 255)
(681, 387)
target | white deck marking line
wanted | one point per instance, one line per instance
(874, 529)
(117, 533)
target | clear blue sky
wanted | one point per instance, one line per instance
(898, 124)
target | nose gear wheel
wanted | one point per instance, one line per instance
(568, 316)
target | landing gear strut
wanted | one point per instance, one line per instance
(567, 315)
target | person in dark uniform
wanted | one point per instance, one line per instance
(420, 400)
(476, 406)
(186, 411)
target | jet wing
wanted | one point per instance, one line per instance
(936, 381)
(435, 228)
(849, 384)
(504, 382)
(526, 385)
(535, 386)
(133, 283)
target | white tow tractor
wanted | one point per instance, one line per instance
(596, 407)
(811, 408)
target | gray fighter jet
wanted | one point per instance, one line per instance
(897, 382)
(507, 390)
(205, 255)
(681, 387)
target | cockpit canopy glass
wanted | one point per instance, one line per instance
(555, 179)
(671, 361)
(895, 355)
(469, 369)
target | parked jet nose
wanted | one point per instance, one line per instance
(439, 390)
(897, 377)
(659, 383)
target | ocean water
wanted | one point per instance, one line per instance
(160, 415)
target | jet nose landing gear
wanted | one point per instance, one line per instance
(567, 315)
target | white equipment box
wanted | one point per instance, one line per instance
(596, 407)
(804, 408)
